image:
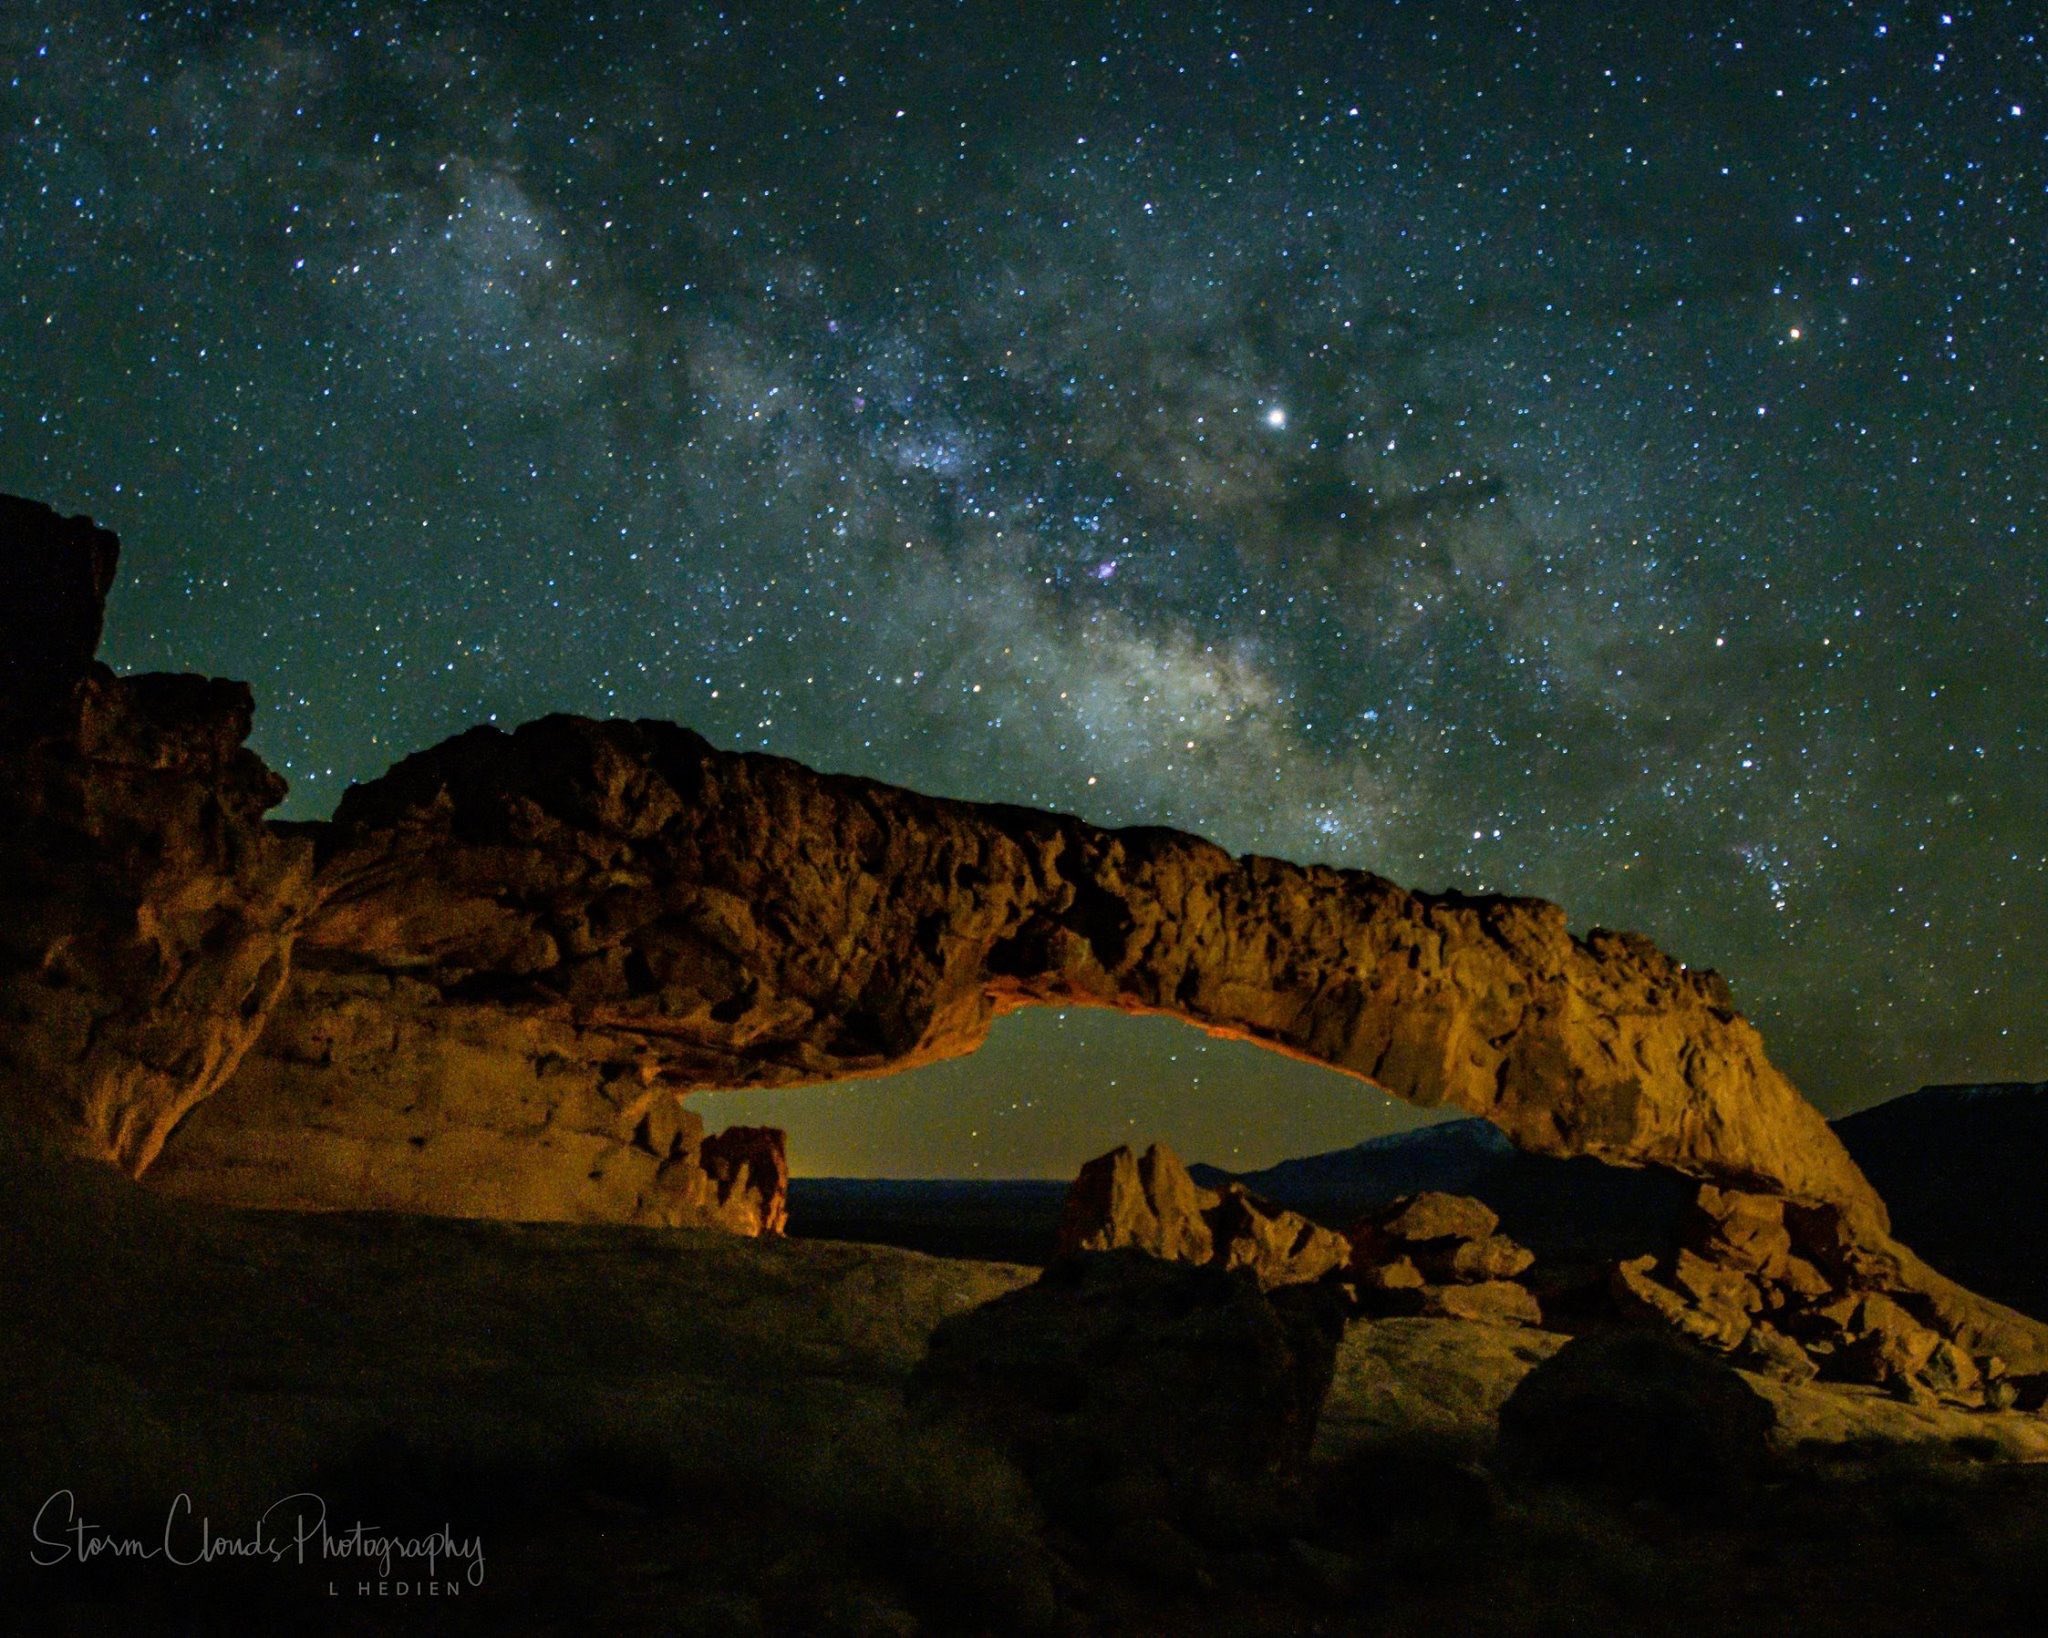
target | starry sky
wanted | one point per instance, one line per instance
(1585, 451)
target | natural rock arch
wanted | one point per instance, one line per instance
(483, 985)
(720, 920)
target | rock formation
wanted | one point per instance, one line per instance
(1779, 1289)
(1134, 1390)
(584, 904)
(148, 909)
(519, 946)
(1442, 1255)
(1151, 1204)
(150, 914)
(743, 921)
(1642, 1412)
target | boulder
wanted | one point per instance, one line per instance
(1438, 1254)
(1149, 1203)
(1496, 1302)
(1719, 1290)
(1641, 1294)
(1741, 1231)
(1128, 1387)
(1640, 1412)
(1495, 1257)
(1399, 1275)
(1433, 1215)
(1279, 1247)
(1769, 1352)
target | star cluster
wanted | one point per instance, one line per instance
(1589, 452)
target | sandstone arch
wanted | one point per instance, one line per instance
(482, 986)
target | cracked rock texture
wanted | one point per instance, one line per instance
(1149, 1203)
(146, 909)
(736, 920)
(607, 908)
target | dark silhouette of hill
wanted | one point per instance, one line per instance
(1010, 1220)
(1962, 1168)
(1965, 1172)
(1558, 1208)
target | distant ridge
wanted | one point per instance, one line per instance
(1451, 1156)
(1964, 1169)
(1558, 1208)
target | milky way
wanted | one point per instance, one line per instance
(1547, 449)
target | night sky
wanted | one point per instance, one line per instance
(1585, 451)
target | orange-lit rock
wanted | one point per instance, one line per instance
(517, 940)
(1149, 1203)
(146, 909)
(646, 907)
(741, 920)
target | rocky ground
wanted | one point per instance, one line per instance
(674, 1431)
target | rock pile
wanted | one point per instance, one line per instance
(1440, 1254)
(1151, 1204)
(1779, 1289)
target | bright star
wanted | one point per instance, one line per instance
(1276, 417)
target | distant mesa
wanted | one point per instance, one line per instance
(480, 987)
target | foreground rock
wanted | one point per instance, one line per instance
(146, 910)
(1149, 1203)
(658, 1430)
(1782, 1289)
(1438, 1253)
(473, 1116)
(655, 908)
(1642, 1412)
(1133, 1389)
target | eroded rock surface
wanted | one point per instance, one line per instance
(1643, 1412)
(146, 909)
(1439, 1254)
(1784, 1291)
(1149, 1203)
(640, 907)
(744, 921)
(370, 1092)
